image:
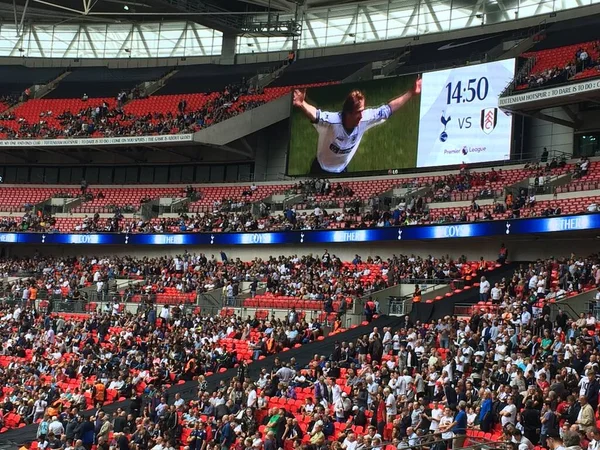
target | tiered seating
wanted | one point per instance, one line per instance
(103, 82)
(468, 276)
(560, 57)
(567, 206)
(167, 103)
(506, 178)
(274, 92)
(210, 77)
(330, 68)
(588, 182)
(171, 296)
(362, 190)
(287, 302)
(126, 196)
(210, 194)
(32, 111)
(13, 420)
(15, 79)
(13, 199)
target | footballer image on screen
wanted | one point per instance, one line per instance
(340, 133)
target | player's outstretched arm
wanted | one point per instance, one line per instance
(399, 102)
(299, 101)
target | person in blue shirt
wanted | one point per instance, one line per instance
(459, 426)
(226, 434)
(485, 413)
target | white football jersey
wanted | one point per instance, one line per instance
(336, 147)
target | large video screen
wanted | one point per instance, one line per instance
(351, 127)
(459, 118)
(376, 144)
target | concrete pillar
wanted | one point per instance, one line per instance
(228, 49)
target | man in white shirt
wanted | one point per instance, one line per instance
(533, 282)
(508, 413)
(436, 415)
(496, 293)
(525, 317)
(390, 404)
(484, 289)
(252, 397)
(56, 427)
(340, 133)
(350, 443)
(522, 442)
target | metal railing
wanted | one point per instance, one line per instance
(523, 72)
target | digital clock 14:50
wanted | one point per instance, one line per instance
(475, 89)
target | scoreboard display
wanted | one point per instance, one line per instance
(459, 117)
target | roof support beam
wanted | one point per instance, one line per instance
(547, 118)
(16, 156)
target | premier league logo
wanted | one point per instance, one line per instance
(444, 120)
(489, 119)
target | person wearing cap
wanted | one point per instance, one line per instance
(317, 438)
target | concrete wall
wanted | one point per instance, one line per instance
(250, 122)
(271, 152)
(542, 133)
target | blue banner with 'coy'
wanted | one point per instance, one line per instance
(418, 232)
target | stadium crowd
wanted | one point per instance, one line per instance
(310, 277)
(583, 59)
(507, 370)
(113, 121)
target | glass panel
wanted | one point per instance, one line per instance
(76, 175)
(175, 174)
(231, 173)
(244, 172)
(161, 175)
(64, 175)
(22, 174)
(132, 175)
(146, 174)
(10, 175)
(187, 174)
(105, 176)
(36, 176)
(120, 175)
(587, 144)
(217, 173)
(91, 175)
(202, 174)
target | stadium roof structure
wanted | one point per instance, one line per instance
(228, 16)
(210, 28)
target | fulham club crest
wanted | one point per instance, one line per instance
(489, 119)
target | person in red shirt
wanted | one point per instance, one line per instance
(380, 415)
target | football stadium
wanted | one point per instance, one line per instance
(299, 225)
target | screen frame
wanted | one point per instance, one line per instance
(415, 170)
